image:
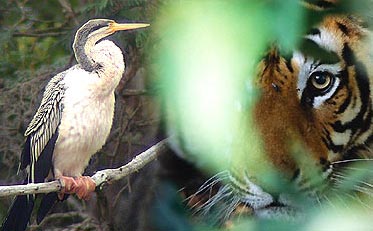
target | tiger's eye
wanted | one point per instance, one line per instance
(321, 80)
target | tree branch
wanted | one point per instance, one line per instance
(100, 177)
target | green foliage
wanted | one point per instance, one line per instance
(169, 212)
(207, 59)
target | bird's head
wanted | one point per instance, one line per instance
(100, 28)
(91, 32)
(106, 27)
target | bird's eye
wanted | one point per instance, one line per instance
(321, 80)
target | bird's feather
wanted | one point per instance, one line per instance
(19, 214)
(20, 211)
(46, 204)
(43, 125)
(26, 154)
(42, 134)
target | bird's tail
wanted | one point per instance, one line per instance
(21, 209)
(46, 204)
(19, 213)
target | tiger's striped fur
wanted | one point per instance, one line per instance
(335, 121)
(320, 100)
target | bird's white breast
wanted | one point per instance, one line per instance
(86, 122)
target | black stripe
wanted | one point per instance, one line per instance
(325, 141)
(345, 104)
(307, 99)
(369, 140)
(353, 153)
(344, 82)
(321, 4)
(325, 131)
(325, 164)
(332, 146)
(338, 127)
(336, 148)
(272, 58)
(329, 143)
(324, 4)
(363, 85)
(368, 121)
(288, 65)
(314, 31)
(343, 28)
(348, 55)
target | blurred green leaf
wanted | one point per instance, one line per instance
(207, 61)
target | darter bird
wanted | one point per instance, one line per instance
(73, 120)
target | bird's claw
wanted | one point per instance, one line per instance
(82, 186)
(86, 187)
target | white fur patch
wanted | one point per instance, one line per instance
(304, 70)
(325, 39)
(341, 138)
(256, 197)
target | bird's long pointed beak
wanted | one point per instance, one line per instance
(126, 26)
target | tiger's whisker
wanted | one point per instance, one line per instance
(357, 198)
(342, 201)
(232, 205)
(350, 160)
(329, 201)
(356, 169)
(352, 179)
(364, 190)
(220, 195)
(219, 177)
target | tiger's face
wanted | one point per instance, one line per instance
(322, 102)
(327, 105)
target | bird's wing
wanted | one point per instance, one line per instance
(42, 132)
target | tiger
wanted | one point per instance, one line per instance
(314, 116)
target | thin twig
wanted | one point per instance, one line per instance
(100, 178)
(134, 92)
(31, 34)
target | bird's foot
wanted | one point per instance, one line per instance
(86, 187)
(82, 186)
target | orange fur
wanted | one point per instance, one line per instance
(281, 118)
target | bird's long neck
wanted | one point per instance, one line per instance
(83, 44)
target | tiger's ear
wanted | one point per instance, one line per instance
(272, 66)
(272, 57)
